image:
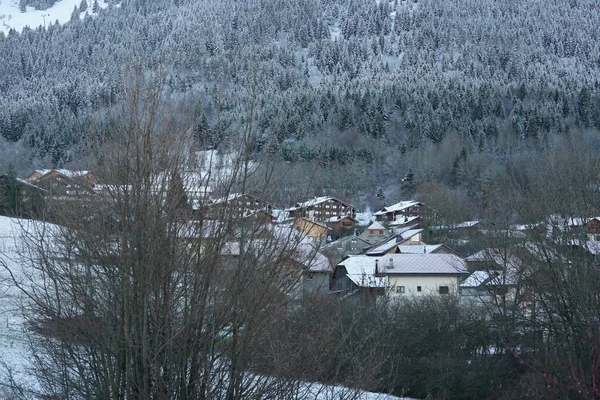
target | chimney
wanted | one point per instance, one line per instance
(390, 263)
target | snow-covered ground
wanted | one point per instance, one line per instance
(12, 18)
(13, 351)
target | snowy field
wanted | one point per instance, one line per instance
(14, 348)
(12, 18)
(13, 352)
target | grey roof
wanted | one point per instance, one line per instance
(410, 264)
(435, 264)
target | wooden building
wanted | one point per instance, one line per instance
(234, 206)
(63, 183)
(322, 209)
(400, 211)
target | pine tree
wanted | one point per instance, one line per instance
(23, 5)
(95, 7)
(584, 106)
(408, 183)
(75, 14)
(10, 193)
(83, 6)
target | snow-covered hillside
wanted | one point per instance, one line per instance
(12, 18)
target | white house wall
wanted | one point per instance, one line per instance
(429, 285)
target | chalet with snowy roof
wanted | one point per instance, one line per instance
(400, 211)
(405, 222)
(375, 233)
(312, 270)
(63, 183)
(355, 277)
(421, 274)
(322, 209)
(341, 225)
(234, 206)
(343, 247)
(399, 275)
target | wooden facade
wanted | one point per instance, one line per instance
(593, 228)
(64, 183)
(312, 229)
(401, 210)
(322, 209)
(236, 206)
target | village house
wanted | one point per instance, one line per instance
(421, 274)
(492, 259)
(235, 205)
(345, 246)
(593, 228)
(375, 233)
(341, 225)
(312, 270)
(312, 229)
(321, 209)
(489, 287)
(400, 211)
(399, 275)
(355, 277)
(63, 183)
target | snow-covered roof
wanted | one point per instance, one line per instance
(459, 225)
(314, 222)
(410, 233)
(226, 199)
(338, 218)
(384, 246)
(478, 278)
(491, 278)
(361, 271)
(317, 200)
(418, 248)
(311, 259)
(26, 183)
(442, 264)
(403, 221)
(376, 225)
(496, 255)
(397, 207)
(65, 172)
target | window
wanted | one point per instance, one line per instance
(309, 275)
(418, 288)
(371, 231)
(381, 231)
(400, 289)
(444, 290)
